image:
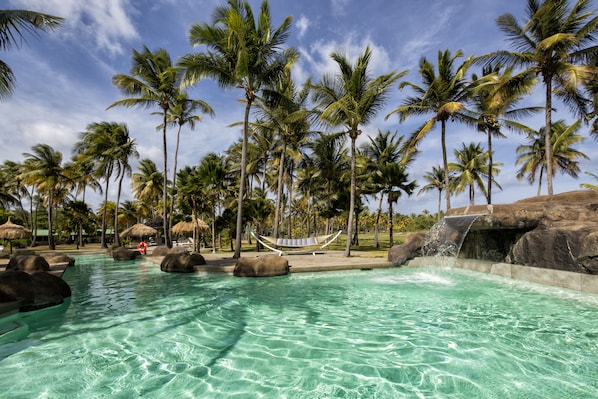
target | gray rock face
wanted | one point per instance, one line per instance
(399, 254)
(262, 266)
(181, 262)
(558, 232)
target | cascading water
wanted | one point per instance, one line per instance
(446, 237)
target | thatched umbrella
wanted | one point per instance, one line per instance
(193, 227)
(11, 231)
(138, 230)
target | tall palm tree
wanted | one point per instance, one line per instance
(243, 52)
(154, 82)
(123, 149)
(43, 168)
(564, 157)
(444, 94)
(352, 98)
(109, 146)
(285, 111)
(494, 105)
(555, 42)
(183, 112)
(470, 169)
(13, 26)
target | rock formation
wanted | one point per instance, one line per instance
(262, 266)
(554, 232)
(181, 262)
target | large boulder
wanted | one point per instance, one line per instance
(35, 291)
(164, 250)
(262, 266)
(122, 253)
(28, 263)
(181, 262)
(411, 248)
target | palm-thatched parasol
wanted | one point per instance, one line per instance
(11, 231)
(138, 230)
(188, 227)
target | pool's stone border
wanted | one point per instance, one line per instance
(558, 278)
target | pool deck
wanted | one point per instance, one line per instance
(299, 263)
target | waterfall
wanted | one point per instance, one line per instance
(446, 237)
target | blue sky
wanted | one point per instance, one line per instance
(64, 77)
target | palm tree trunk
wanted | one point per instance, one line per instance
(377, 225)
(239, 231)
(445, 164)
(548, 129)
(51, 244)
(279, 191)
(120, 184)
(439, 202)
(347, 253)
(103, 243)
(489, 167)
(390, 216)
(176, 154)
(165, 193)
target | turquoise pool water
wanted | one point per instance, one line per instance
(132, 331)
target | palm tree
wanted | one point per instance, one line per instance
(148, 184)
(470, 169)
(532, 157)
(435, 179)
(123, 148)
(352, 98)
(13, 25)
(108, 146)
(381, 149)
(392, 179)
(154, 82)
(443, 95)
(556, 43)
(183, 112)
(81, 172)
(590, 186)
(243, 52)
(43, 168)
(80, 215)
(284, 110)
(494, 104)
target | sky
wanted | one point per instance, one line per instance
(64, 77)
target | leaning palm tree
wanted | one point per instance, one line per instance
(183, 112)
(13, 26)
(556, 42)
(352, 98)
(243, 52)
(532, 156)
(154, 82)
(494, 105)
(443, 94)
(43, 168)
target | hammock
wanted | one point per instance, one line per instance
(319, 242)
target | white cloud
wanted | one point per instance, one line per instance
(302, 24)
(105, 23)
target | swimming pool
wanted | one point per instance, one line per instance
(133, 331)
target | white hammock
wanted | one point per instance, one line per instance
(319, 242)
